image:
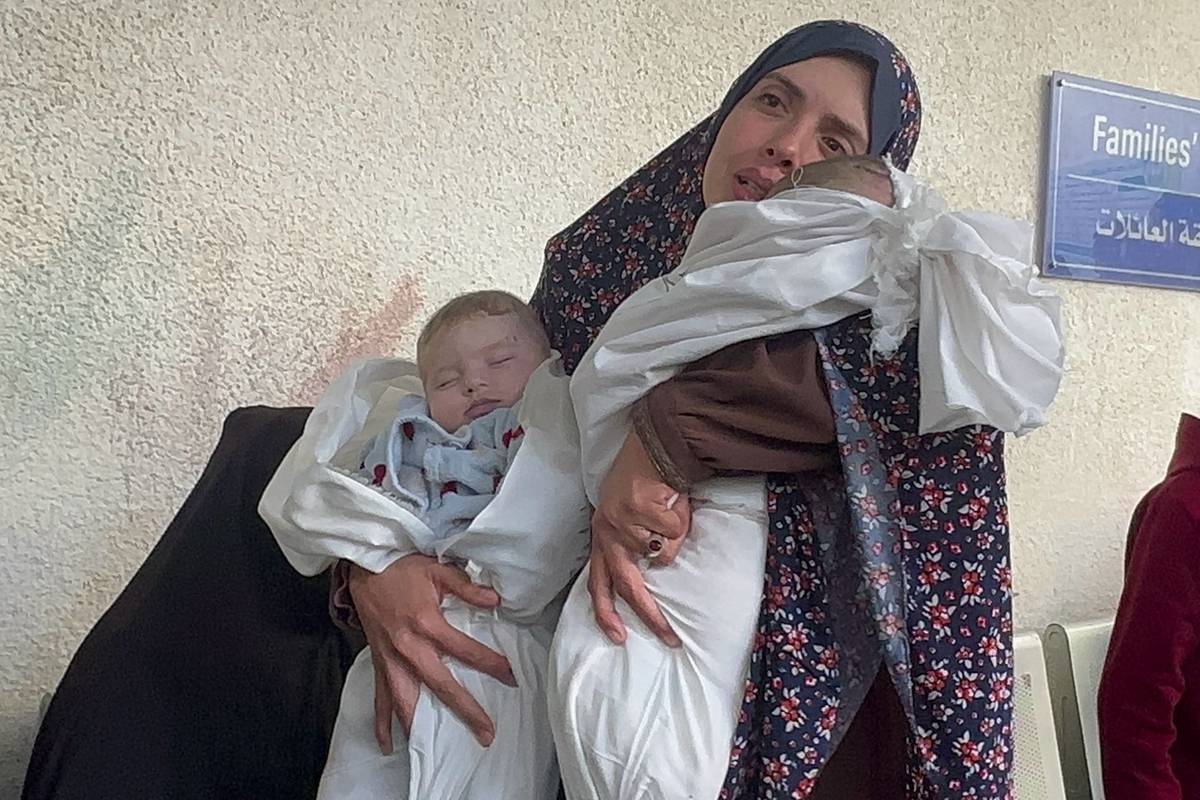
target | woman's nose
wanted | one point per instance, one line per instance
(794, 147)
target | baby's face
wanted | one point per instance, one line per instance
(476, 366)
(865, 176)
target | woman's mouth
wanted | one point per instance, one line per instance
(748, 188)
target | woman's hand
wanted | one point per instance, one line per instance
(634, 505)
(401, 614)
(866, 176)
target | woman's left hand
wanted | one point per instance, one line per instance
(636, 512)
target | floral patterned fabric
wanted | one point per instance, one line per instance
(901, 559)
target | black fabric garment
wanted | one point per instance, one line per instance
(217, 672)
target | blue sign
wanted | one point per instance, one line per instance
(1122, 185)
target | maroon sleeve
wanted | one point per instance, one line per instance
(1154, 635)
(757, 406)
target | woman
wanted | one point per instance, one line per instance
(929, 511)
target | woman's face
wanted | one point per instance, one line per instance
(799, 114)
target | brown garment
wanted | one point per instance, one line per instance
(762, 406)
(757, 406)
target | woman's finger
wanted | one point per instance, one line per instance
(630, 586)
(452, 580)
(631, 537)
(682, 508)
(469, 652)
(645, 514)
(603, 608)
(401, 691)
(384, 707)
(433, 673)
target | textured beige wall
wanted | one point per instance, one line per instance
(214, 206)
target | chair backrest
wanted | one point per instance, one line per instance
(1075, 660)
(1037, 774)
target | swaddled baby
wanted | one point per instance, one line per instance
(453, 466)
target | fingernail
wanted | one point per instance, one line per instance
(487, 738)
(617, 636)
(511, 679)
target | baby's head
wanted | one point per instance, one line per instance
(476, 354)
(866, 176)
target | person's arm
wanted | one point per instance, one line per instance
(1154, 635)
(757, 406)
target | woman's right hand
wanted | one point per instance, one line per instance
(634, 504)
(401, 614)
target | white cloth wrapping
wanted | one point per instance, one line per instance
(990, 348)
(527, 545)
(645, 721)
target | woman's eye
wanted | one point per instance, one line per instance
(770, 100)
(835, 145)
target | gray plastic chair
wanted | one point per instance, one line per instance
(1075, 660)
(1037, 774)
